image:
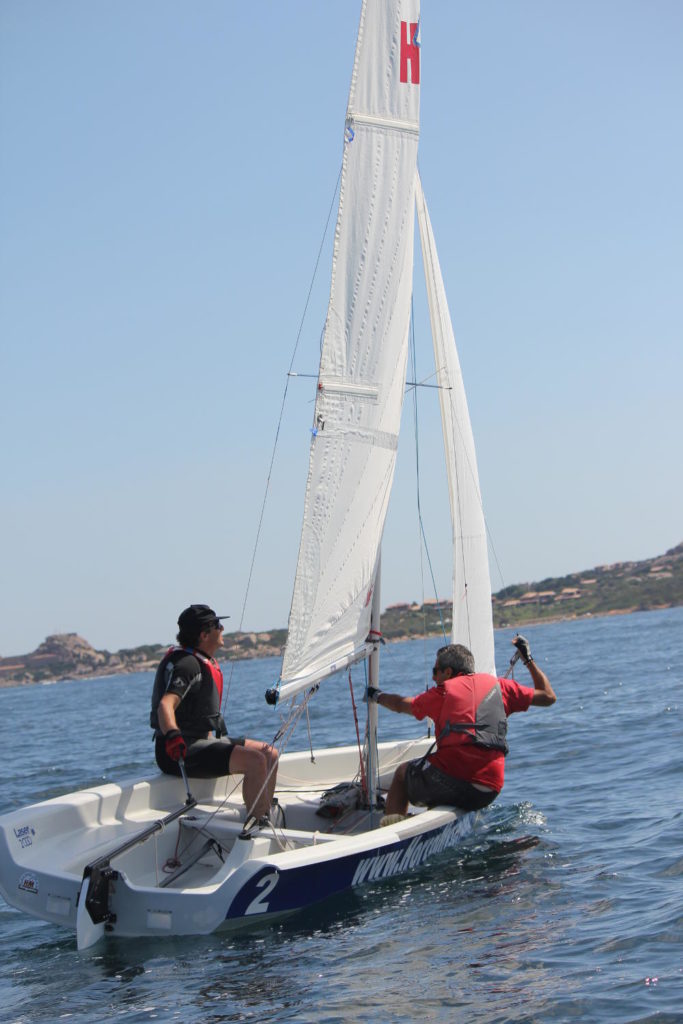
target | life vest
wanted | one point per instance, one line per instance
(473, 712)
(200, 712)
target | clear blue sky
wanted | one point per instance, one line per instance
(166, 169)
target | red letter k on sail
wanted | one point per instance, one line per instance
(410, 51)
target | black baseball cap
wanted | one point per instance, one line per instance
(198, 616)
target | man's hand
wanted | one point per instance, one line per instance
(176, 747)
(522, 645)
(371, 694)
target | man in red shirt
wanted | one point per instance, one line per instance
(470, 712)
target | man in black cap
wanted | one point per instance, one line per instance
(186, 715)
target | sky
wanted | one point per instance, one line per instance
(166, 174)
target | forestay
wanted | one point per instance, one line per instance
(472, 616)
(363, 360)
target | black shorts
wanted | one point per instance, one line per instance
(205, 759)
(427, 785)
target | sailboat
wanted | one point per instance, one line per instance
(145, 858)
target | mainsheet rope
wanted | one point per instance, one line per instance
(361, 760)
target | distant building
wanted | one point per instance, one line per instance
(537, 597)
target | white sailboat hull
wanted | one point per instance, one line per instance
(217, 879)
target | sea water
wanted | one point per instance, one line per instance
(566, 904)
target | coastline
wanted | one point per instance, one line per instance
(267, 651)
(618, 589)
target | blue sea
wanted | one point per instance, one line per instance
(565, 904)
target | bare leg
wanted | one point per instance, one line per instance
(271, 756)
(254, 761)
(397, 797)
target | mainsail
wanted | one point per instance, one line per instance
(472, 616)
(364, 352)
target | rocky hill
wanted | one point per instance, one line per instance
(607, 589)
(68, 656)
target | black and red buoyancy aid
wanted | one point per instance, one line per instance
(200, 712)
(473, 712)
(215, 670)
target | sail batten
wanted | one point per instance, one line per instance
(412, 127)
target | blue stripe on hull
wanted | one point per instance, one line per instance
(272, 891)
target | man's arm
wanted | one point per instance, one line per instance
(166, 712)
(544, 695)
(185, 676)
(391, 701)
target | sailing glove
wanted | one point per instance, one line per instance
(372, 694)
(522, 645)
(176, 747)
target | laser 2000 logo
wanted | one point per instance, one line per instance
(24, 835)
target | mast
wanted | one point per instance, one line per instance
(372, 759)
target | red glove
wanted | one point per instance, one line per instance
(176, 747)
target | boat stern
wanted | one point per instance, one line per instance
(28, 880)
